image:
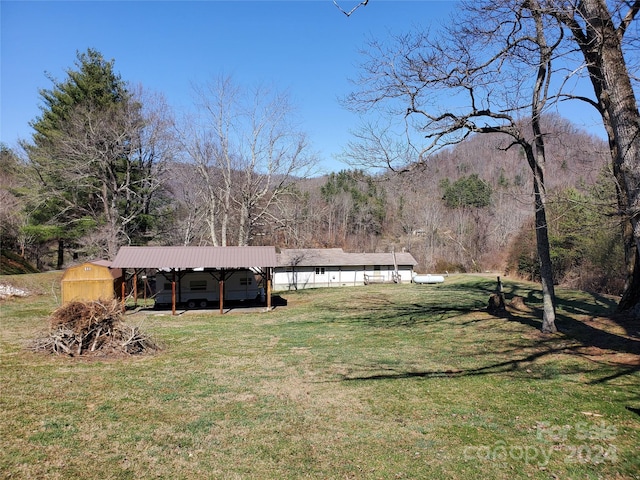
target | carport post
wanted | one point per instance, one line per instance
(146, 285)
(173, 293)
(135, 288)
(221, 283)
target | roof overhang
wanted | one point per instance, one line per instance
(180, 258)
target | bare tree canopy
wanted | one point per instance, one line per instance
(247, 149)
(465, 62)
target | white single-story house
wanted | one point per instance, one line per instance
(332, 267)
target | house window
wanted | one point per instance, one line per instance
(376, 268)
(319, 270)
(245, 281)
(198, 285)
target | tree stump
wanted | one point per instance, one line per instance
(496, 304)
(496, 301)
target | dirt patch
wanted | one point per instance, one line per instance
(613, 357)
(606, 340)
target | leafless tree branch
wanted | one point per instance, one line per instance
(348, 14)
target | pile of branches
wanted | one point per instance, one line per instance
(93, 328)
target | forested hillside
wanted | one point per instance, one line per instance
(470, 208)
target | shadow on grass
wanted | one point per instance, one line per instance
(520, 365)
(413, 315)
(587, 334)
(506, 366)
(586, 339)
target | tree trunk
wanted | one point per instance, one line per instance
(537, 166)
(624, 115)
(542, 243)
(60, 262)
(546, 268)
(601, 45)
(630, 301)
(244, 225)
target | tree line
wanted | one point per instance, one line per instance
(102, 168)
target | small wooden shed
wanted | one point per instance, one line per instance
(91, 281)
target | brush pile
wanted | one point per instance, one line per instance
(93, 328)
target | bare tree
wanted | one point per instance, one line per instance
(95, 143)
(156, 149)
(247, 150)
(11, 205)
(353, 9)
(190, 226)
(95, 156)
(508, 48)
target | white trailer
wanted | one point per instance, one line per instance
(201, 288)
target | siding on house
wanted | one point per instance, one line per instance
(332, 267)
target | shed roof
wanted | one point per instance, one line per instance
(195, 257)
(105, 264)
(312, 257)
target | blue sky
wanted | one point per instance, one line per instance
(307, 47)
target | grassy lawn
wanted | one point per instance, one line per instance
(377, 382)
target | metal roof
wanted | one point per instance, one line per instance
(195, 257)
(313, 257)
(114, 272)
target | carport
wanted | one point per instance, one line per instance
(222, 260)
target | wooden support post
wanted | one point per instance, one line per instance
(124, 294)
(268, 292)
(221, 283)
(135, 289)
(146, 285)
(173, 297)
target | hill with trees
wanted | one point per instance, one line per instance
(465, 209)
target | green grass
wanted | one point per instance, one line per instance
(377, 382)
